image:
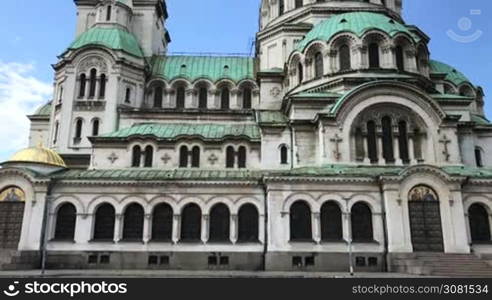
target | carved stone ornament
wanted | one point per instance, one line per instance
(93, 62)
(275, 92)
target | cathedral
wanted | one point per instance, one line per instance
(339, 144)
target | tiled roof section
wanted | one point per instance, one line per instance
(214, 68)
(452, 74)
(158, 175)
(175, 131)
(271, 117)
(44, 110)
(480, 120)
(140, 174)
(356, 22)
(112, 38)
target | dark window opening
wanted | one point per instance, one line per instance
(195, 157)
(297, 261)
(309, 261)
(108, 13)
(372, 261)
(300, 222)
(225, 98)
(191, 223)
(299, 3)
(224, 260)
(331, 222)
(403, 141)
(133, 222)
(183, 157)
(158, 97)
(318, 65)
(92, 259)
(104, 259)
(212, 260)
(136, 156)
(220, 223)
(388, 152)
(104, 223)
(65, 222)
(95, 128)
(241, 157)
(400, 59)
(478, 157)
(162, 222)
(92, 83)
(344, 55)
(202, 98)
(248, 223)
(284, 156)
(83, 82)
(374, 56)
(247, 98)
(102, 86)
(78, 129)
(300, 73)
(372, 142)
(230, 157)
(361, 221)
(149, 157)
(479, 223)
(360, 261)
(128, 95)
(180, 98)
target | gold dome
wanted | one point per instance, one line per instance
(39, 155)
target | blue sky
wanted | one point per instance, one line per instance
(34, 36)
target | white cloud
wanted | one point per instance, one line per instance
(20, 94)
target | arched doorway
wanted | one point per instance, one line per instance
(425, 220)
(12, 200)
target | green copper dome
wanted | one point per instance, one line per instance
(452, 75)
(112, 38)
(357, 23)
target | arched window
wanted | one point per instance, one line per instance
(202, 98)
(180, 97)
(183, 157)
(344, 56)
(281, 7)
(388, 153)
(128, 95)
(133, 222)
(299, 3)
(284, 155)
(241, 157)
(479, 223)
(149, 157)
(331, 222)
(95, 127)
(403, 141)
(65, 222)
(300, 222)
(78, 130)
(195, 157)
(400, 60)
(92, 83)
(417, 144)
(372, 142)
(104, 223)
(55, 134)
(136, 156)
(478, 157)
(361, 221)
(248, 223)
(220, 219)
(224, 98)
(247, 98)
(374, 56)
(191, 223)
(102, 86)
(162, 222)
(108, 13)
(158, 97)
(318, 65)
(300, 73)
(230, 157)
(83, 82)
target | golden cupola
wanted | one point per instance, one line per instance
(38, 155)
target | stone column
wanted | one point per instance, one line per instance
(234, 228)
(316, 227)
(346, 226)
(396, 150)
(382, 161)
(205, 229)
(176, 228)
(147, 230)
(261, 229)
(118, 221)
(411, 151)
(366, 149)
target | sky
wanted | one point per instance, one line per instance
(35, 35)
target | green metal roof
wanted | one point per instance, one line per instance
(480, 120)
(44, 110)
(147, 174)
(271, 117)
(112, 38)
(214, 68)
(356, 22)
(155, 174)
(453, 75)
(175, 131)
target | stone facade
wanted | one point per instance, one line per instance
(320, 149)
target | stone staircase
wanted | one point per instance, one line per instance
(441, 265)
